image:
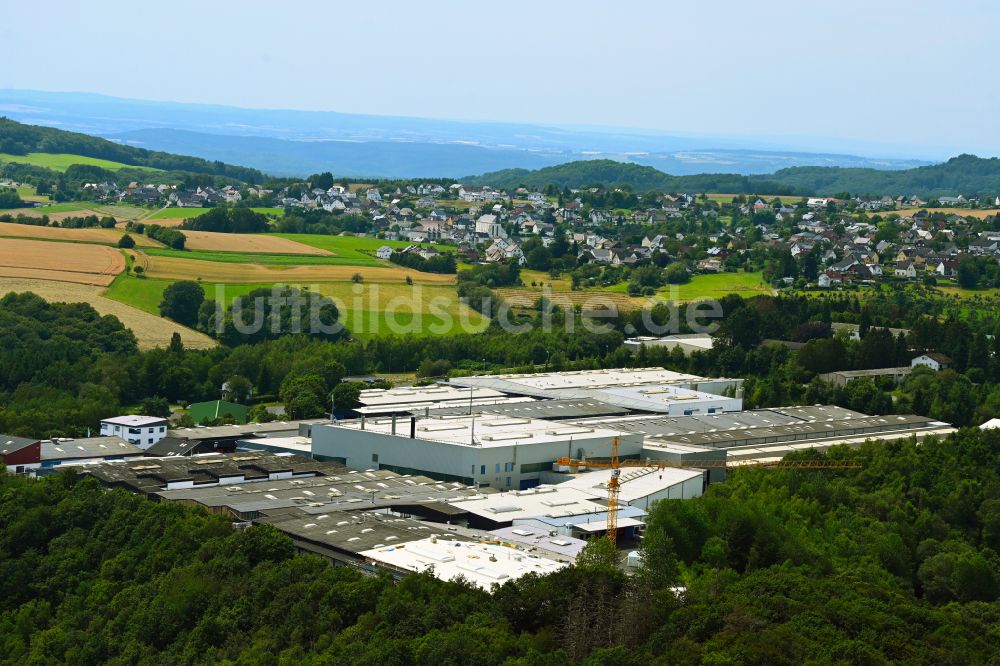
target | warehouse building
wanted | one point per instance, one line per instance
(688, 343)
(642, 390)
(640, 486)
(148, 476)
(337, 489)
(86, 451)
(414, 399)
(485, 450)
(763, 434)
(550, 410)
(20, 455)
(844, 377)
(482, 564)
(226, 437)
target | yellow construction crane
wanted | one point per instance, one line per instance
(615, 465)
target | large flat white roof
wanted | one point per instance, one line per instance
(462, 403)
(484, 430)
(635, 483)
(551, 501)
(549, 384)
(482, 564)
(423, 394)
(659, 397)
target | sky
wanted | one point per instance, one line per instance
(906, 77)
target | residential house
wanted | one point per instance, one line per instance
(932, 360)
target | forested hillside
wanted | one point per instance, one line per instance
(965, 174)
(19, 139)
(896, 562)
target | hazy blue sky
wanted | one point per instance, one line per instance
(882, 73)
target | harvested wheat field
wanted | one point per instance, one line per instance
(163, 221)
(259, 243)
(589, 300)
(105, 236)
(177, 268)
(55, 216)
(978, 213)
(150, 330)
(69, 262)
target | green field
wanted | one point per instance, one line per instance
(28, 193)
(355, 250)
(62, 161)
(174, 213)
(717, 285)
(68, 207)
(366, 310)
(264, 258)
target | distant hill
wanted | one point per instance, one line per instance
(586, 173)
(20, 139)
(297, 143)
(966, 174)
(359, 159)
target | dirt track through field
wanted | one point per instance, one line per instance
(71, 262)
(179, 268)
(150, 330)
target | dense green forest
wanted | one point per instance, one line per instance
(893, 563)
(19, 139)
(965, 174)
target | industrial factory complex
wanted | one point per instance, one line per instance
(488, 477)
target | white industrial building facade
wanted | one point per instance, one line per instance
(486, 451)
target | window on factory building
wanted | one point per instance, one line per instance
(528, 468)
(374, 457)
(482, 469)
(497, 469)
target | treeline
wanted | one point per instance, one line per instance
(20, 139)
(965, 174)
(297, 221)
(71, 222)
(894, 563)
(170, 237)
(9, 198)
(228, 220)
(443, 262)
(612, 174)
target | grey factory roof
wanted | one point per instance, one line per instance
(87, 447)
(804, 430)
(10, 443)
(871, 372)
(244, 431)
(173, 446)
(568, 408)
(356, 531)
(654, 425)
(339, 490)
(149, 475)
